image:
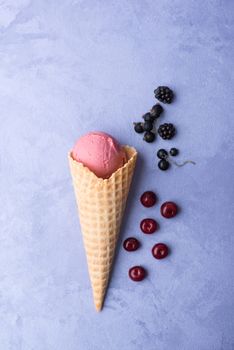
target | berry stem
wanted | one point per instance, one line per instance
(179, 165)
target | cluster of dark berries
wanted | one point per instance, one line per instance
(148, 125)
(166, 131)
(163, 155)
(164, 94)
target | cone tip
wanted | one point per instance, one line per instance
(98, 307)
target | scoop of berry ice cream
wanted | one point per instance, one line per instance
(99, 152)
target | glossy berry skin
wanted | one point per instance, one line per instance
(148, 226)
(148, 117)
(156, 110)
(148, 199)
(137, 273)
(149, 136)
(174, 152)
(148, 126)
(163, 164)
(131, 244)
(162, 153)
(169, 210)
(138, 127)
(160, 251)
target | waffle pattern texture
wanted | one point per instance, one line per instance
(101, 203)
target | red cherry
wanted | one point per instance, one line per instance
(169, 209)
(160, 250)
(137, 273)
(148, 199)
(148, 226)
(130, 244)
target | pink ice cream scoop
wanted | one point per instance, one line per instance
(99, 152)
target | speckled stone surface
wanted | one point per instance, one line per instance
(68, 67)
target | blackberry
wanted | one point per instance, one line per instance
(166, 131)
(148, 117)
(164, 94)
(156, 110)
(149, 136)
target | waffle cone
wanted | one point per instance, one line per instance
(101, 204)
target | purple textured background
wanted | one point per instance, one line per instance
(67, 67)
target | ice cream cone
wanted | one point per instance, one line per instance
(101, 204)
